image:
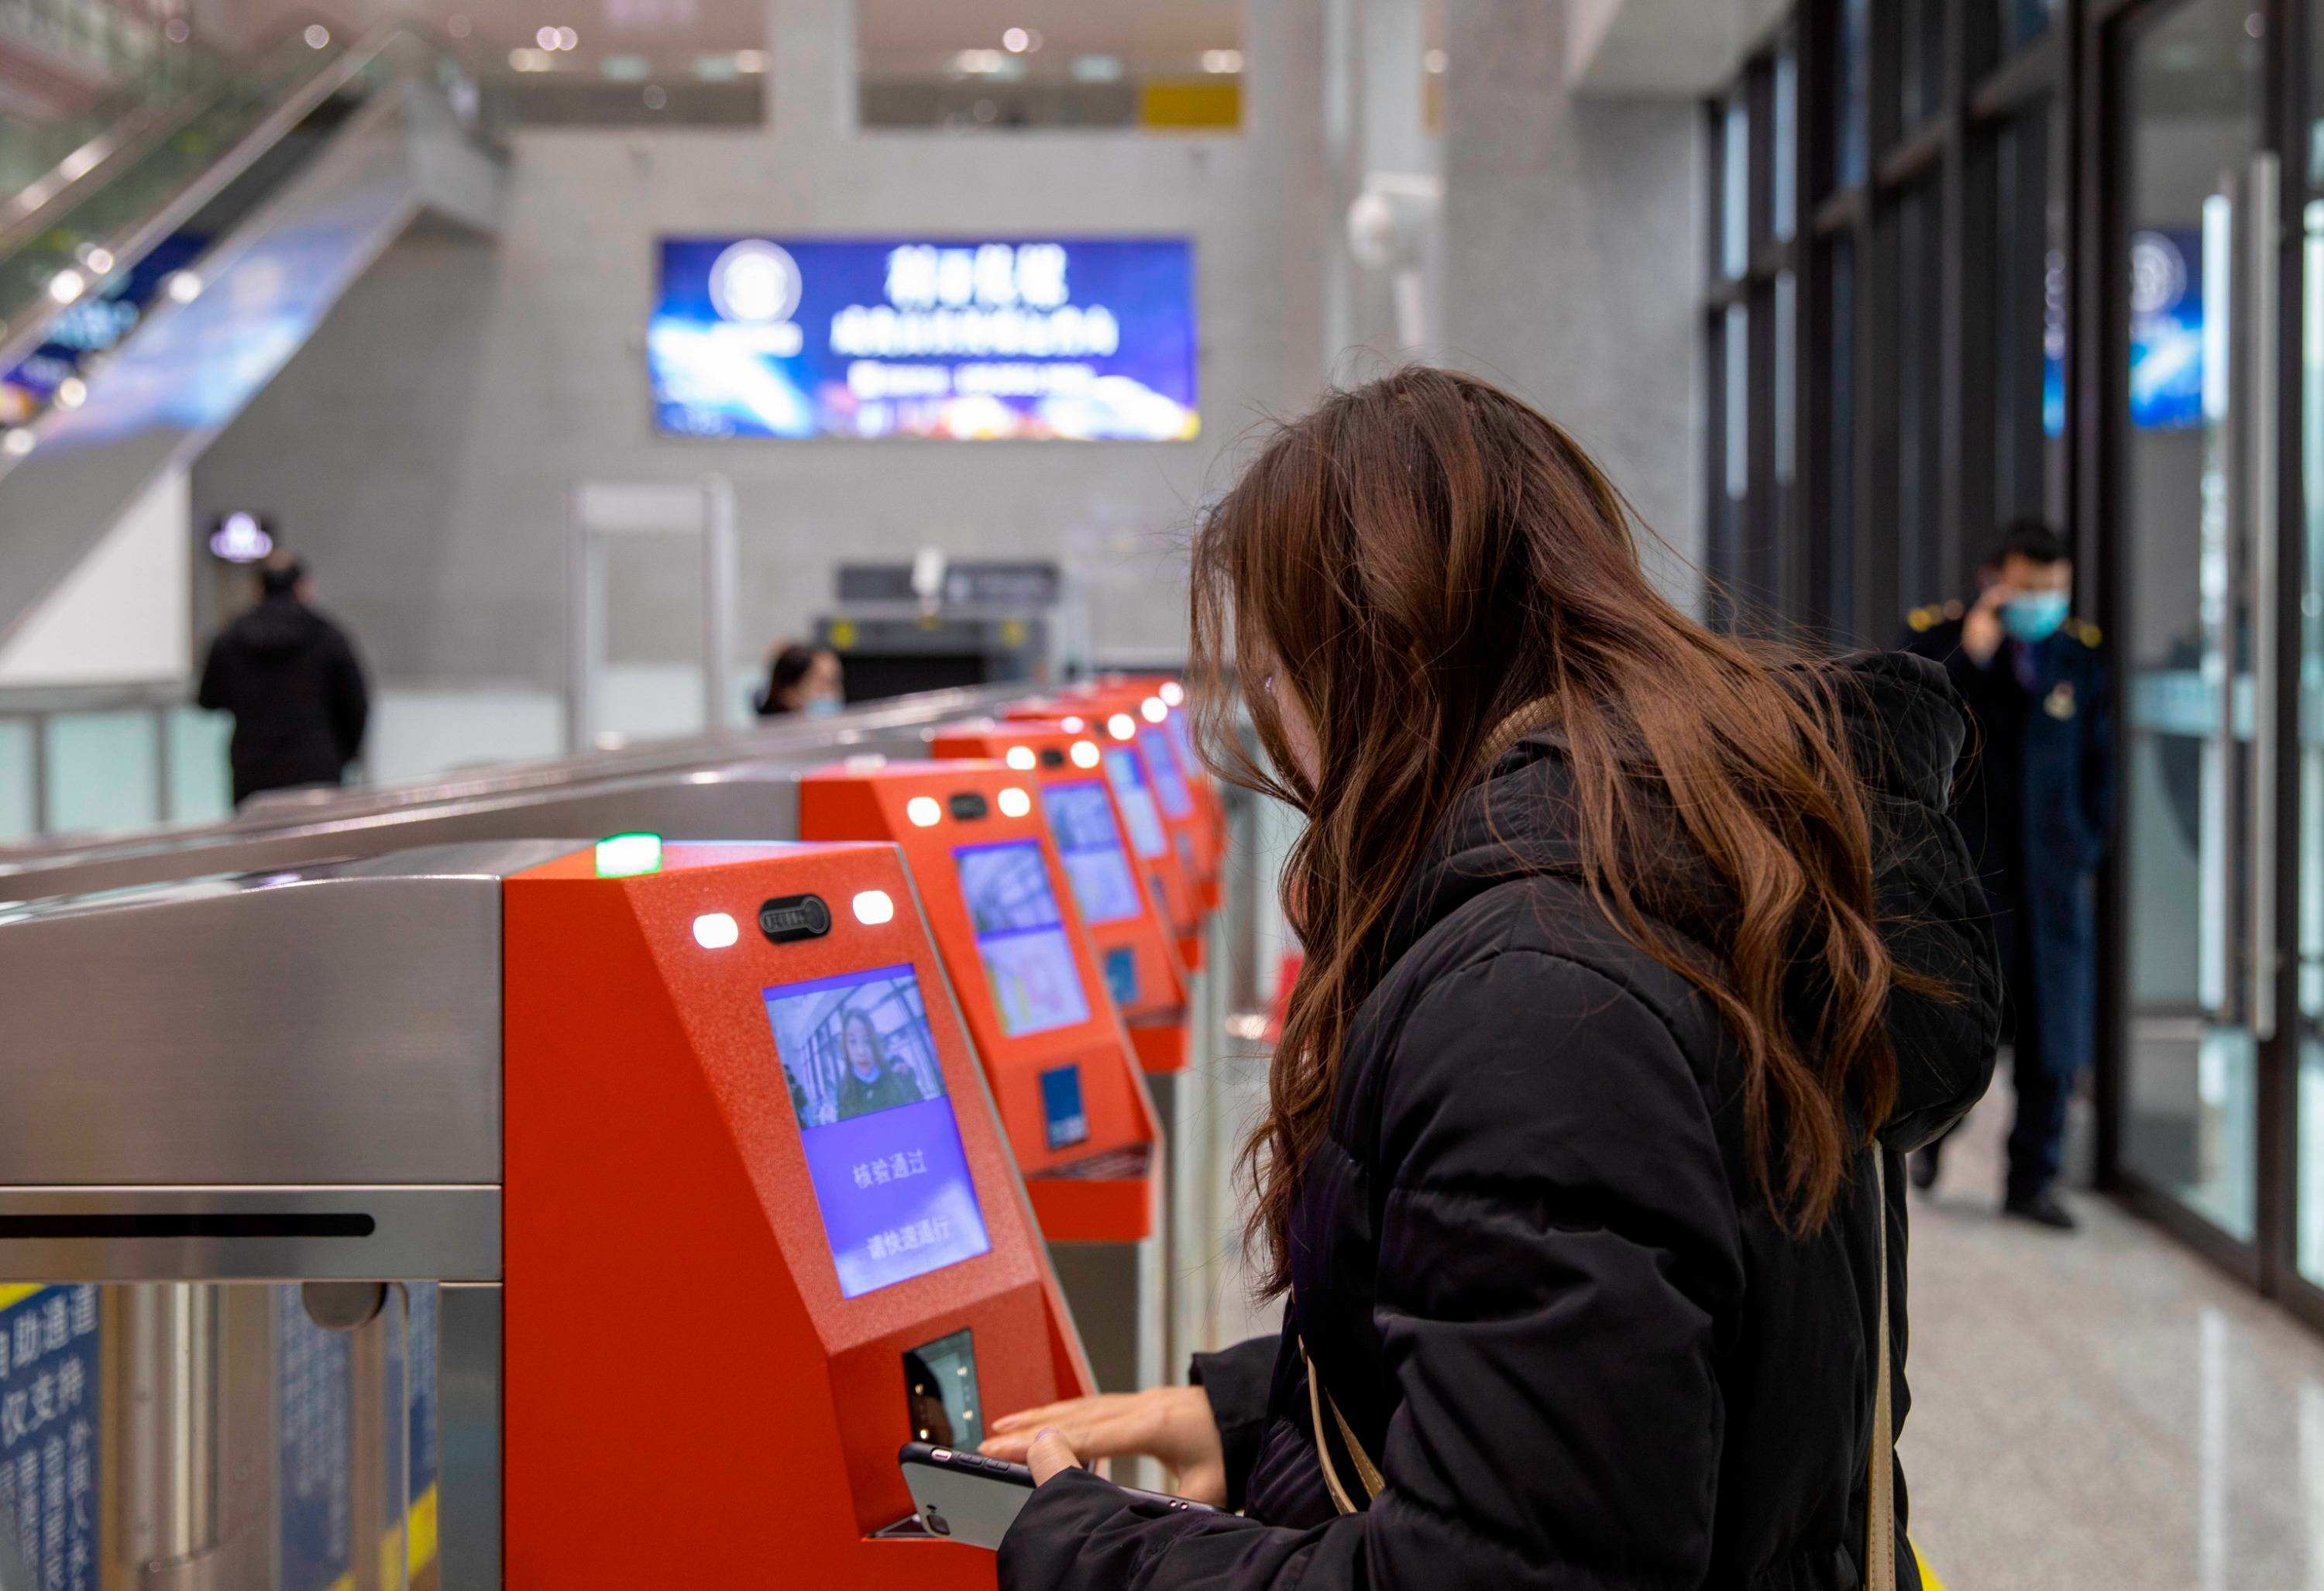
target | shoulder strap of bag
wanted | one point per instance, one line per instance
(1367, 1473)
(1880, 1522)
(1880, 1513)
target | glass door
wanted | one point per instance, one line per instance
(2195, 546)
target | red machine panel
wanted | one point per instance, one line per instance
(1189, 799)
(761, 1227)
(1064, 1075)
(1118, 900)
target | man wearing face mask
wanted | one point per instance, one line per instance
(2034, 799)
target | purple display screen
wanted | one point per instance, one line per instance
(1170, 782)
(884, 1149)
(1020, 937)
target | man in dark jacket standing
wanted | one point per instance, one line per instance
(290, 678)
(2036, 803)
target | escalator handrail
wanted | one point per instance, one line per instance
(23, 336)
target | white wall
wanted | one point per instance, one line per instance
(1574, 257)
(124, 614)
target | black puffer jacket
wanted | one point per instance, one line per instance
(290, 678)
(1531, 1262)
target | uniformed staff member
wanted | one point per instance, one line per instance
(2036, 803)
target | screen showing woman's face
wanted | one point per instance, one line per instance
(863, 1050)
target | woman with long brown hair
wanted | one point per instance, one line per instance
(1634, 953)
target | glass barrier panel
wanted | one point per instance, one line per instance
(103, 771)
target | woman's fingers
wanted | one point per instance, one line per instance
(1031, 1420)
(1050, 1454)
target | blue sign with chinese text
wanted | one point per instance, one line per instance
(49, 1433)
(1087, 339)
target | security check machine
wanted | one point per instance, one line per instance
(1135, 947)
(1069, 1090)
(685, 1146)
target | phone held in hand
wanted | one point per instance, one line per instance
(969, 1498)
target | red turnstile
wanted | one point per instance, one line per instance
(1060, 1063)
(760, 1226)
(1121, 903)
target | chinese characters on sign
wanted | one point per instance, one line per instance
(894, 1168)
(911, 1235)
(48, 1433)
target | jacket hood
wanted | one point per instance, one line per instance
(280, 624)
(1906, 728)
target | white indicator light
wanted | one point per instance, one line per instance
(1154, 710)
(65, 286)
(1015, 802)
(872, 907)
(1072, 726)
(1084, 754)
(924, 811)
(1171, 693)
(183, 286)
(1021, 757)
(715, 931)
(864, 762)
(1121, 726)
(625, 856)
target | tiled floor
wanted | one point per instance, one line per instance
(2102, 1411)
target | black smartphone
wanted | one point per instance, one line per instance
(969, 1498)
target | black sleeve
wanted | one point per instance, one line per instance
(1557, 1253)
(349, 698)
(212, 696)
(1237, 1380)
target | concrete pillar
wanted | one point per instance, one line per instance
(1574, 257)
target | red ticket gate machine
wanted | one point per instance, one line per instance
(1064, 1076)
(1135, 945)
(739, 1101)
(1164, 849)
(1182, 786)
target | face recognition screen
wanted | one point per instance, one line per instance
(1170, 783)
(883, 1148)
(1020, 937)
(1139, 815)
(1081, 815)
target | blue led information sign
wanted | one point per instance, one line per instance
(1088, 339)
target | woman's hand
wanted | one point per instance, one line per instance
(1170, 1424)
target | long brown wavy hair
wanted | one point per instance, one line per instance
(1425, 564)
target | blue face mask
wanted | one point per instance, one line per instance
(2036, 618)
(824, 706)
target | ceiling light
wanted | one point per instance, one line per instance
(567, 39)
(545, 38)
(1016, 40)
(979, 62)
(1222, 60)
(1436, 60)
(529, 61)
(317, 35)
(1097, 69)
(97, 260)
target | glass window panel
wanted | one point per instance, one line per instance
(1921, 51)
(2029, 411)
(1786, 401)
(2189, 1072)
(1784, 200)
(1735, 188)
(1838, 548)
(1919, 245)
(200, 790)
(19, 812)
(1853, 67)
(1737, 363)
(103, 771)
(2021, 22)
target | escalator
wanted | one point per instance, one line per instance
(173, 258)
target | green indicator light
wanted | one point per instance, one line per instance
(624, 856)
